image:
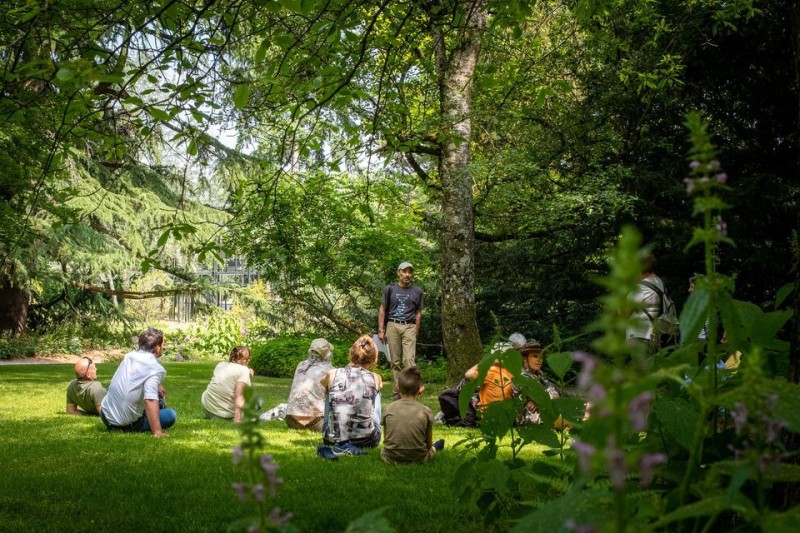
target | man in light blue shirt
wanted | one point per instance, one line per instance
(133, 399)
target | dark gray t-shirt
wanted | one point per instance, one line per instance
(405, 301)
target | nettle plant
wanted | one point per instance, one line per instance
(687, 439)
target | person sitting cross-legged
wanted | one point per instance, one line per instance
(353, 405)
(133, 402)
(306, 404)
(408, 424)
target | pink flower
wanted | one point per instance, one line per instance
(589, 362)
(572, 525)
(694, 164)
(639, 410)
(277, 519)
(690, 185)
(739, 415)
(241, 490)
(258, 492)
(238, 455)
(616, 468)
(585, 452)
(722, 227)
(721, 177)
(647, 464)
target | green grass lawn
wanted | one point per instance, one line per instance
(65, 473)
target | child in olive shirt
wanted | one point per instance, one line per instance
(408, 425)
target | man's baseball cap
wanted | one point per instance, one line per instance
(404, 265)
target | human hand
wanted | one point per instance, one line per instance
(252, 372)
(159, 434)
(382, 336)
(162, 392)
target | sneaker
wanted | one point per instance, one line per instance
(438, 445)
(326, 453)
(348, 448)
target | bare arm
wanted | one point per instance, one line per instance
(381, 322)
(151, 411)
(472, 373)
(418, 319)
(72, 409)
(238, 401)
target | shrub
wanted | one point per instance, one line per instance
(279, 357)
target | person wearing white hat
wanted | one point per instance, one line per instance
(306, 405)
(399, 319)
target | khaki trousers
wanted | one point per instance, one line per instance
(402, 339)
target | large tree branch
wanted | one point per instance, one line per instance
(133, 295)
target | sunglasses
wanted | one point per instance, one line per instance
(87, 366)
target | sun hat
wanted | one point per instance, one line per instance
(321, 349)
(404, 265)
(517, 340)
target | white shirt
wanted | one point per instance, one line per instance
(651, 302)
(136, 380)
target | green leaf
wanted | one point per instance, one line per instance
(781, 522)
(783, 293)
(678, 419)
(65, 74)
(370, 522)
(261, 53)
(159, 114)
(694, 314)
(541, 433)
(241, 96)
(192, 148)
(559, 363)
(162, 240)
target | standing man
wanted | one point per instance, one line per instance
(404, 302)
(132, 402)
(85, 393)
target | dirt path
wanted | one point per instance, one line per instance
(98, 356)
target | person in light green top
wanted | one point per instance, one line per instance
(224, 396)
(85, 393)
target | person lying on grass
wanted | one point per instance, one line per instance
(353, 405)
(85, 393)
(408, 424)
(224, 395)
(135, 396)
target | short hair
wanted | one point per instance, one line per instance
(363, 352)
(239, 354)
(648, 262)
(409, 381)
(151, 339)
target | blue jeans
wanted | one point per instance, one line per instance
(368, 442)
(166, 416)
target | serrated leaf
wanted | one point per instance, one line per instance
(559, 363)
(678, 419)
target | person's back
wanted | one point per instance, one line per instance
(219, 398)
(306, 403)
(496, 387)
(408, 424)
(352, 394)
(124, 402)
(84, 393)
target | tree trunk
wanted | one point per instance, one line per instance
(14, 303)
(456, 71)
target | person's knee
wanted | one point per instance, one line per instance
(168, 418)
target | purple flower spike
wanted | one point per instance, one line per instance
(774, 430)
(241, 490)
(585, 452)
(714, 164)
(694, 164)
(617, 469)
(639, 410)
(721, 177)
(596, 393)
(277, 519)
(258, 492)
(690, 185)
(739, 414)
(586, 377)
(238, 455)
(704, 179)
(267, 465)
(648, 464)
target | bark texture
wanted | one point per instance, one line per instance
(456, 69)
(14, 302)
